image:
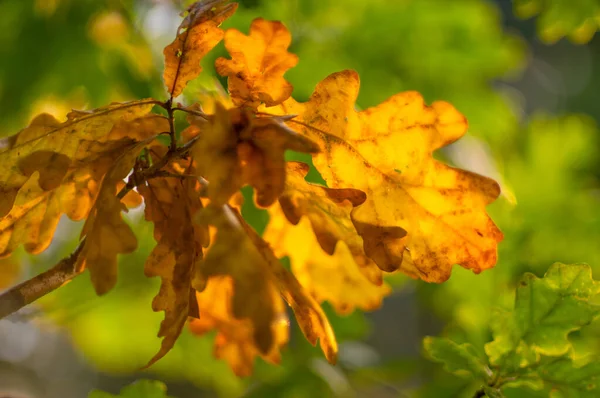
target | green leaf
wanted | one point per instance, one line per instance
(567, 380)
(558, 18)
(139, 389)
(461, 360)
(546, 311)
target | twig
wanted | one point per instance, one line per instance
(138, 178)
(192, 111)
(27, 292)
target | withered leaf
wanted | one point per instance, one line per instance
(234, 342)
(235, 148)
(106, 233)
(197, 35)
(310, 316)
(48, 146)
(170, 204)
(36, 212)
(255, 298)
(386, 151)
(258, 63)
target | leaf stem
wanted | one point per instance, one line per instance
(27, 292)
(170, 110)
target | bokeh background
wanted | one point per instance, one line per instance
(531, 97)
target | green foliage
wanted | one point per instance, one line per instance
(531, 346)
(139, 389)
(558, 18)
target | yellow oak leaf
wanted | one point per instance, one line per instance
(329, 213)
(386, 151)
(234, 342)
(198, 33)
(236, 148)
(170, 204)
(48, 146)
(105, 232)
(331, 277)
(258, 63)
(33, 218)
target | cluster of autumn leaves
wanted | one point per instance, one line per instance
(388, 205)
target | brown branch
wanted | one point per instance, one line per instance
(27, 292)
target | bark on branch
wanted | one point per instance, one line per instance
(27, 292)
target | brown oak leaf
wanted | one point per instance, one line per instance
(236, 148)
(198, 33)
(171, 203)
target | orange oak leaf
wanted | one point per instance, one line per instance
(235, 148)
(331, 277)
(48, 147)
(329, 213)
(197, 35)
(258, 63)
(310, 316)
(255, 297)
(234, 342)
(105, 232)
(386, 151)
(170, 204)
(36, 212)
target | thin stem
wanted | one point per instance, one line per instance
(169, 108)
(27, 292)
(192, 111)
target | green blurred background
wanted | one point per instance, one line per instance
(532, 104)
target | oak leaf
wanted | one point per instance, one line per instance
(258, 63)
(311, 318)
(48, 146)
(36, 211)
(329, 213)
(105, 232)
(234, 342)
(255, 298)
(198, 33)
(171, 204)
(333, 277)
(386, 151)
(236, 148)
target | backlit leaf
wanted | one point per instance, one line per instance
(48, 146)
(236, 148)
(36, 211)
(106, 233)
(386, 151)
(335, 278)
(546, 310)
(235, 341)
(170, 204)
(258, 63)
(197, 35)
(255, 298)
